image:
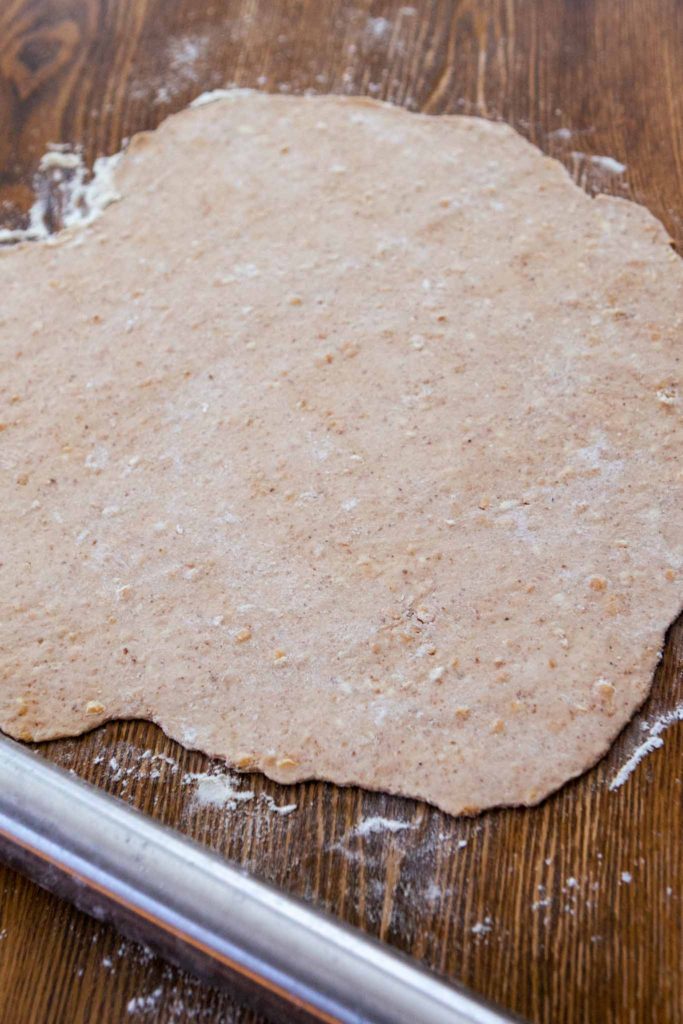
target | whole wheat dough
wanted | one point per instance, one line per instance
(346, 445)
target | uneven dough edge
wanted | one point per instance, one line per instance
(178, 733)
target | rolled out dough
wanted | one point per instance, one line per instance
(346, 445)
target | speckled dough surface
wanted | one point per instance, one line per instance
(347, 445)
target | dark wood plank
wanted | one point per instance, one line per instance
(500, 913)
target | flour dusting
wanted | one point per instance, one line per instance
(63, 182)
(144, 1004)
(216, 790)
(282, 809)
(377, 824)
(212, 95)
(208, 789)
(378, 28)
(653, 742)
(604, 163)
(561, 134)
(181, 66)
(184, 53)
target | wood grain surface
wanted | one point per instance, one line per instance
(569, 912)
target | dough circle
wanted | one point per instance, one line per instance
(346, 445)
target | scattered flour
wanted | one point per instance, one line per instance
(209, 789)
(184, 52)
(218, 94)
(605, 163)
(144, 1004)
(378, 28)
(377, 824)
(277, 808)
(626, 877)
(81, 197)
(433, 892)
(653, 742)
(88, 197)
(146, 765)
(561, 133)
(608, 163)
(482, 927)
(182, 67)
(36, 227)
(60, 158)
(216, 790)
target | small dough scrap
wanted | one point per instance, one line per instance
(346, 445)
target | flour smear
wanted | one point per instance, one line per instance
(63, 182)
(216, 790)
(653, 742)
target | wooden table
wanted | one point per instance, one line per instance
(568, 912)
